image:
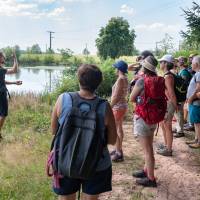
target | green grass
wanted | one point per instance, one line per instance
(23, 153)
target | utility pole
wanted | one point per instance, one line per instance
(157, 48)
(50, 39)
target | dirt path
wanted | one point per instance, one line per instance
(178, 176)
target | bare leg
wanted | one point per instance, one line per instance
(2, 120)
(90, 197)
(164, 132)
(67, 197)
(197, 131)
(120, 134)
(147, 144)
(169, 134)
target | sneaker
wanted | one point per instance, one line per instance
(189, 128)
(112, 152)
(192, 141)
(160, 146)
(139, 174)
(174, 130)
(117, 157)
(195, 145)
(164, 152)
(146, 182)
(179, 134)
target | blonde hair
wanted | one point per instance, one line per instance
(196, 60)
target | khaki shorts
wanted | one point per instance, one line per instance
(170, 111)
(141, 128)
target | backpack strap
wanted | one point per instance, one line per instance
(77, 100)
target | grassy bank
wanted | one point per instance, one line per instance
(24, 150)
(58, 59)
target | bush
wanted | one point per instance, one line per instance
(184, 53)
(109, 78)
(70, 82)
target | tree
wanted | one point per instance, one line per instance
(115, 39)
(192, 35)
(165, 45)
(66, 53)
(86, 51)
(35, 49)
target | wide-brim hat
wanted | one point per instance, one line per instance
(149, 66)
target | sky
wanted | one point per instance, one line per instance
(76, 23)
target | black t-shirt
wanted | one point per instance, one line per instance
(2, 80)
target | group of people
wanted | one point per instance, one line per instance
(177, 107)
(145, 81)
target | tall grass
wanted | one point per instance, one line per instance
(24, 150)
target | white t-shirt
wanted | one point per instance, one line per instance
(192, 85)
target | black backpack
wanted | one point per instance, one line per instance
(79, 142)
(180, 87)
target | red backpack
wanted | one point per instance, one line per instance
(153, 104)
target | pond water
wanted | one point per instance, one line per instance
(35, 79)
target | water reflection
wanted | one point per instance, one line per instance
(35, 80)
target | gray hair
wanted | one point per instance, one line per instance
(196, 60)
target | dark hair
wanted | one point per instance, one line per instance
(146, 53)
(148, 72)
(169, 65)
(90, 77)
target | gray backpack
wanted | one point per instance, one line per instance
(79, 142)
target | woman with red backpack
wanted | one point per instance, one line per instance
(149, 96)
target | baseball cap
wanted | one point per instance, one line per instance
(167, 58)
(121, 65)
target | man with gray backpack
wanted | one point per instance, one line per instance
(83, 125)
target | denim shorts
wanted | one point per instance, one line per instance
(100, 183)
(194, 113)
(3, 104)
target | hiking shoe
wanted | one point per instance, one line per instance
(195, 145)
(164, 152)
(139, 174)
(146, 182)
(179, 134)
(189, 127)
(112, 152)
(192, 141)
(117, 157)
(174, 130)
(160, 146)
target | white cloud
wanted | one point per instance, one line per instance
(126, 9)
(72, 1)
(158, 27)
(13, 8)
(22, 8)
(56, 12)
(45, 1)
